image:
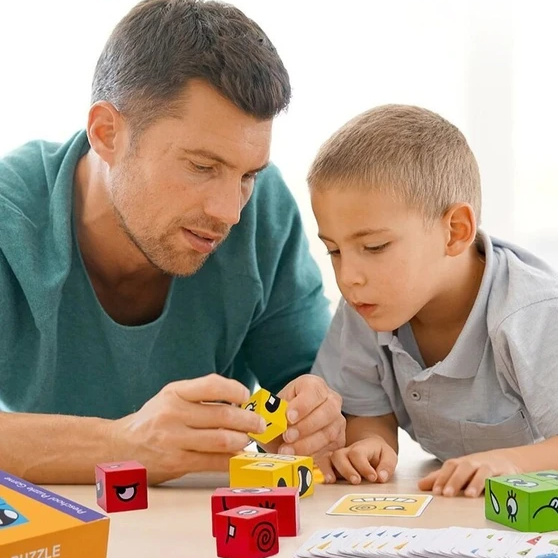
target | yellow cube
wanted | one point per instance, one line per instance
(262, 474)
(301, 469)
(274, 412)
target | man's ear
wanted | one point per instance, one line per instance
(460, 223)
(106, 131)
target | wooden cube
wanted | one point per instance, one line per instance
(274, 412)
(247, 532)
(527, 502)
(283, 499)
(121, 486)
(300, 475)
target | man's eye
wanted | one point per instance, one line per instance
(249, 176)
(201, 168)
(333, 253)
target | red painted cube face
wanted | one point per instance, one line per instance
(121, 486)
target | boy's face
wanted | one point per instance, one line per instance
(388, 264)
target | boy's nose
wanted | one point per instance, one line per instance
(350, 275)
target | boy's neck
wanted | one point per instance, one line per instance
(450, 309)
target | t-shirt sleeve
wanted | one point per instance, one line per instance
(350, 362)
(293, 317)
(526, 344)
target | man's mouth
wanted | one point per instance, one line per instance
(202, 241)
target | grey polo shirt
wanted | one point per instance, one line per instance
(497, 388)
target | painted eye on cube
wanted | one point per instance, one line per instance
(511, 506)
(251, 406)
(126, 493)
(395, 508)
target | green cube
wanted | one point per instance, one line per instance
(527, 502)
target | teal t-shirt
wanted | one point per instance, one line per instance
(255, 310)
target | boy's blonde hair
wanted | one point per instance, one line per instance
(408, 152)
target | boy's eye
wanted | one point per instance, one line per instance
(376, 249)
(333, 252)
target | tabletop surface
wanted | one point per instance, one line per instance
(178, 520)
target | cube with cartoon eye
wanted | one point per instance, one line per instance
(121, 486)
(274, 412)
(526, 502)
(247, 532)
(9, 516)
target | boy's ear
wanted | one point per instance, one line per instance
(460, 224)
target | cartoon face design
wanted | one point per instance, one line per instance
(552, 505)
(511, 506)
(522, 483)
(100, 488)
(247, 512)
(272, 404)
(251, 406)
(126, 493)
(548, 475)
(9, 516)
(251, 490)
(386, 506)
(493, 499)
(304, 479)
(272, 409)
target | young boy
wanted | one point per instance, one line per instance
(442, 330)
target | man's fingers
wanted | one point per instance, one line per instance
(202, 415)
(342, 463)
(315, 443)
(209, 388)
(310, 393)
(325, 416)
(204, 462)
(210, 441)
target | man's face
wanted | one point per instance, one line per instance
(178, 191)
(388, 264)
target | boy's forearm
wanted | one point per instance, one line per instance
(53, 449)
(385, 426)
(536, 457)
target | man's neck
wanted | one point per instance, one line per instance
(109, 254)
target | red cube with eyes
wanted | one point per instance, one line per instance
(121, 486)
(283, 499)
(247, 532)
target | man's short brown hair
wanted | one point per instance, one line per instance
(162, 44)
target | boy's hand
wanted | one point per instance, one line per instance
(469, 472)
(372, 458)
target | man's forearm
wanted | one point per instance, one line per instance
(385, 426)
(53, 449)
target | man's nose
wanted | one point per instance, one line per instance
(225, 203)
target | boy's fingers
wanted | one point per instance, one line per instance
(386, 464)
(341, 462)
(361, 463)
(426, 483)
(324, 464)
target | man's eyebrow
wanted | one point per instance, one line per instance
(207, 154)
(359, 234)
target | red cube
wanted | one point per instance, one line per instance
(283, 499)
(247, 532)
(121, 486)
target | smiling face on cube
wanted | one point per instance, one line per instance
(9, 516)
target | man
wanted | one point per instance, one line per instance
(127, 275)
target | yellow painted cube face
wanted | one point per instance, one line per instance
(262, 474)
(274, 412)
(301, 468)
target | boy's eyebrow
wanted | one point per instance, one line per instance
(211, 155)
(359, 234)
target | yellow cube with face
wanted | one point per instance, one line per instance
(262, 474)
(301, 468)
(274, 412)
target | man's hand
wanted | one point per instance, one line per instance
(176, 432)
(316, 425)
(371, 458)
(468, 473)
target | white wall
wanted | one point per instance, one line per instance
(487, 65)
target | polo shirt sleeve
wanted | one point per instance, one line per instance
(292, 318)
(526, 344)
(349, 361)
